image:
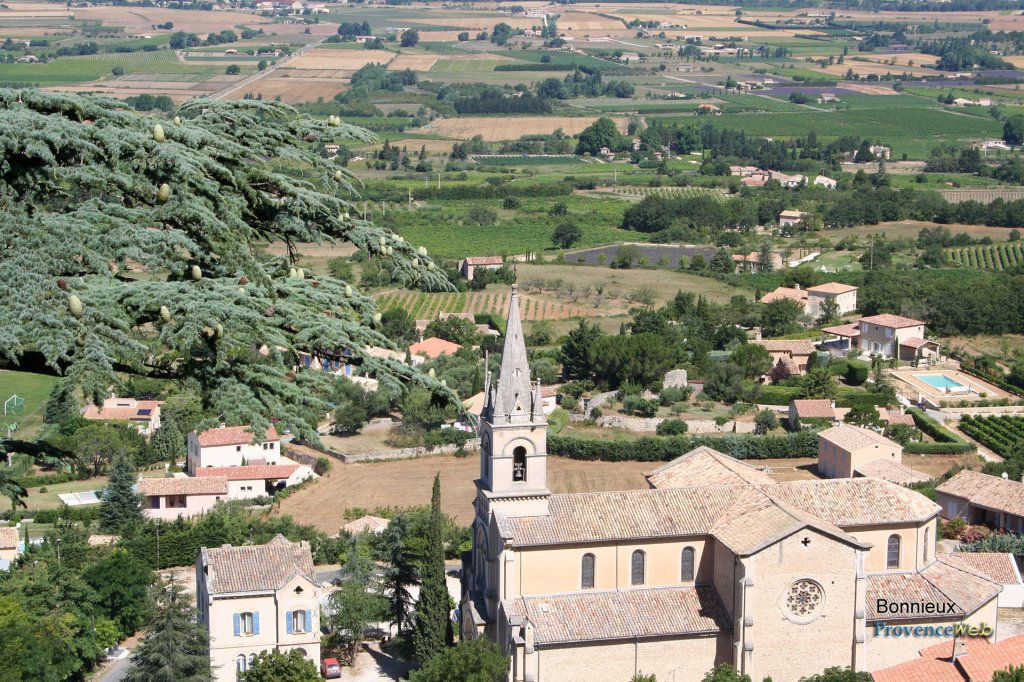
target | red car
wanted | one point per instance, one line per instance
(330, 668)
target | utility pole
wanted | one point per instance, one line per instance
(439, 181)
(872, 258)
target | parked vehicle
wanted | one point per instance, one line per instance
(330, 668)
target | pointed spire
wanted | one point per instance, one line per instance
(514, 395)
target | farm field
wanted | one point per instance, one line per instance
(999, 434)
(292, 87)
(982, 196)
(654, 253)
(426, 306)
(496, 128)
(992, 257)
(35, 389)
(910, 228)
(340, 60)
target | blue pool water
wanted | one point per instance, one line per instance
(940, 381)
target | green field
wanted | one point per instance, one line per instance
(992, 257)
(466, 65)
(34, 388)
(91, 67)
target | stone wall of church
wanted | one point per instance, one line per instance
(911, 545)
(789, 642)
(681, 659)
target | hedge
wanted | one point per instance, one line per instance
(774, 394)
(992, 379)
(651, 449)
(948, 443)
(848, 397)
(45, 479)
(857, 372)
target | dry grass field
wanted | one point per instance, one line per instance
(340, 60)
(585, 21)
(497, 129)
(868, 89)
(910, 228)
(416, 62)
(136, 19)
(293, 87)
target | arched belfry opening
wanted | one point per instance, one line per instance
(519, 464)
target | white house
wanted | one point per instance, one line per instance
(232, 446)
(824, 181)
(254, 480)
(144, 415)
(257, 598)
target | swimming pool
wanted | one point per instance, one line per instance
(942, 382)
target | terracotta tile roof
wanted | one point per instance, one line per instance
(829, 505)
(9, 537)
(628, 614)
(256, 568)
(797, 295)
(847, 330)
(814, 409)
(894, 472)
(849, 502)
(250, 472)
(894, 417)
(894, 321)
(484, 260)
(232, 435)
(434, 347)
(917, 343)
(184, 485)
(978, 664)
(705, 466)
(997, 566)
(850, 437)
(375, 524)
(792, 346)
(992, 492)
(833, 288)
(123, 409)
(947, 579)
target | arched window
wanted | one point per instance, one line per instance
(892, 558)
(687, 565)
(587, 572)
(303, 652)
(240, 665)
(924, 552)
(638, 567)
(519, 464)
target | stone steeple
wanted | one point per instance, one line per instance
(514, 399)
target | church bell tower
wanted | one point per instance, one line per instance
(513, 431)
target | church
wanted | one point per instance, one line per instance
(715, 563)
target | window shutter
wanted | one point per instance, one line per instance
(288, 622)
(256, 622)
(309, 620)
(238, 624)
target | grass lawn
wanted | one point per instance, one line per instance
(50, 499)
(34, 388)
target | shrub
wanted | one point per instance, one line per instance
(568, 403)
(634, 404)
(951, 529)
(596, 413)
(672, 427)
(972, 534)
(671, 396)
(778, 395)
(322, 466)
(857, 372)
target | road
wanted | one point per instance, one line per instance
(116, 672)
(249, 80)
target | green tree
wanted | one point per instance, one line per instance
(600, 133)
(475, 660)
(501, 33)
(61, 406)
(352, 609)
(566, 234)
(818, 384)
(902, 434)
(401, 571)
(640, 677)
(765, 421)
(1013, 673)
(275, 666)
(233, 70)
(722, 262)
(753, 358)
(1013, 129)
(399, 326)
(779, 317)
(350, 416)
(121, 507)
(837, 674)
(210, 294)
(175, 647)
(121, 583)
(723, 672)
(167, 442)
(455, 329)
(638, 359)
(828, 312)
(410, 38)
(431, 635)
(575, 352)
(12, 490)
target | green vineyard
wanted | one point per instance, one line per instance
(426, 306)
(676, 192)
(992, 257)
(998, 433)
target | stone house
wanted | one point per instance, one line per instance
(254, 480)
(978, 498)
(257, 598)
(793, 353)
(845, 448)
(811, 409)
(232, 446)
(719, 566)
(791, 218)
(10, 546)
(181, 496)
(845, 296)
(469, 266)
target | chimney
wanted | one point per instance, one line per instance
(797, 287)
(222, 425)
(959, 648)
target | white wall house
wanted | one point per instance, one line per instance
(232, 446)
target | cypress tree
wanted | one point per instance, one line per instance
(61, 406)
(121, 508)
(432, 623)
(167, 442)
(189, 202)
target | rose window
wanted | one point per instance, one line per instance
(804, 599)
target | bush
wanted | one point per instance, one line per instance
(672, 427)
(433, 439)
(857, 372)
(45, 479)
(596, 413)
(971, 534)
(778, 395)
(671, 396)
(322, 466)
(568, 403)
(951, 529)
(635, 405)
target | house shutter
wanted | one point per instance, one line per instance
(288, 622)
(256, 622)
(238, 624)
(309, 620)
